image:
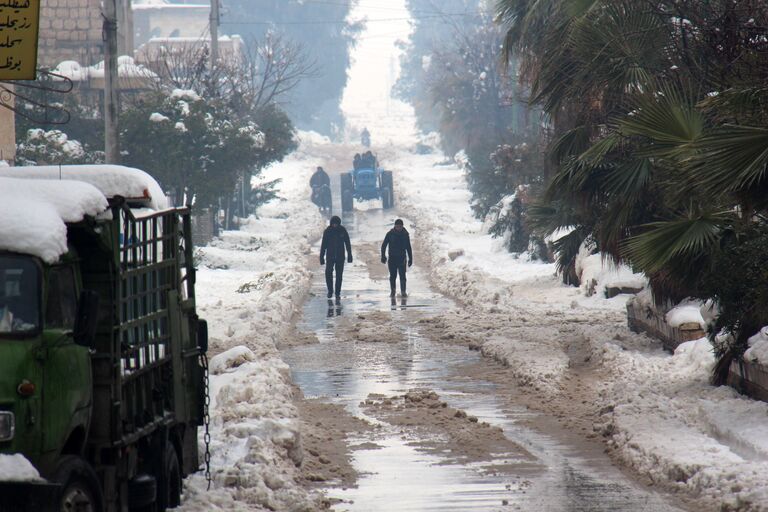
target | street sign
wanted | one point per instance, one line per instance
(19, 23)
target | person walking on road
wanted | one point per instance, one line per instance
(333, 250)
(399, 242)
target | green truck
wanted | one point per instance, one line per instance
(103, 369)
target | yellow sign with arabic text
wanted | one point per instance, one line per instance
(19, 24)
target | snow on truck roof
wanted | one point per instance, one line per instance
(33, 214)
(37, 202)
(111, 180)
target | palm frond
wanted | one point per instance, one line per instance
(546, 218)
(567, 249)
(666, 117)
(731, 159)
(571, 143)
(627, 179)
(686, 239)
(599, 149)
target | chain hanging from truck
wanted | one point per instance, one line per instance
(206, 419)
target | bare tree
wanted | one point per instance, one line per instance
(269, 70)
(248, 77)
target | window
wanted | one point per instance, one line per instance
(19, 295)
(62, 299)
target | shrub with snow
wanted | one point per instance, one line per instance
(53, 147)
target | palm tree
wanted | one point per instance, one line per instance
(656, 168)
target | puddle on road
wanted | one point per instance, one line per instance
(398, 476)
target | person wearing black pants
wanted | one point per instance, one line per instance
(399, 242)
(333, 249)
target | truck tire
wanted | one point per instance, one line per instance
(169, 483)
(346, 192)
(387, 190)
(80, 487)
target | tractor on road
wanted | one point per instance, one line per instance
(366, 181)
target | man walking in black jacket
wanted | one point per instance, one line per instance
(399, 242)
(332, 249)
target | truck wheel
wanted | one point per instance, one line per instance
(81, 489)
(346, 192)
(169, 488)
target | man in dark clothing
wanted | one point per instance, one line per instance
(319, 178)
(332, 250)
(399, 242)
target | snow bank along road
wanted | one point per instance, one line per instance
(570, 357)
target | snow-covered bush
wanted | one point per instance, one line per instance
(507, 220)
(53, 147)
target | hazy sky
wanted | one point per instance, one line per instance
(375, 67)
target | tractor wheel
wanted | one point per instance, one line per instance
(386, 197)
(387, 190)
(346, 192)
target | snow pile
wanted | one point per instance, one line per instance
(664, 419)
(758, 347)
(126, 68)
(34, 214)
(522, 354)
(72, 70)
(250, 284)
(185, 94)
(112, 180)
(597, 274)
(687, 312)
(16, 468)
(157, 117)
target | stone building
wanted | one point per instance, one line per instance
(71, 30)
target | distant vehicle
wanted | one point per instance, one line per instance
(103, 369)
(367, 182)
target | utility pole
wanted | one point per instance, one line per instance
(109, 34)
(214, 23)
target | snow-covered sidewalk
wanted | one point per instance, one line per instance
(658, 413)
(250, 284)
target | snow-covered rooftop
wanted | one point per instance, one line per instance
(34, 214)
(126, 68)
(111, 180)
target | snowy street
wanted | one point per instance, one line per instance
(492, 385)
(575, 192)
